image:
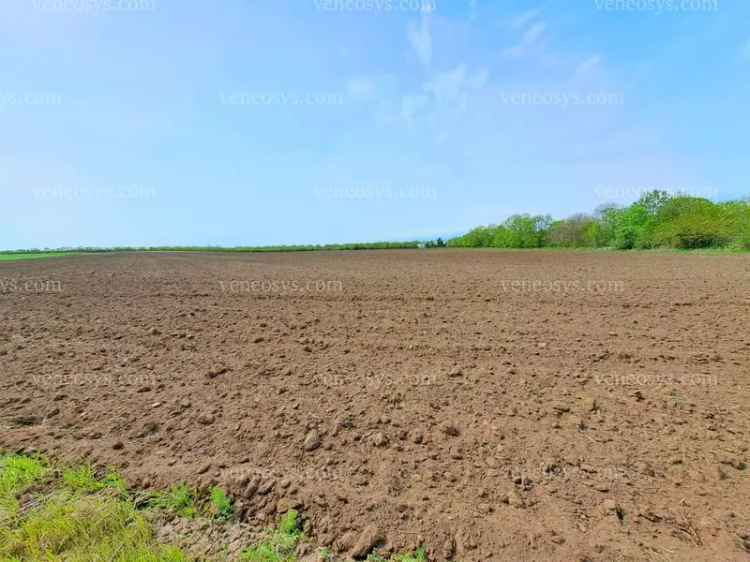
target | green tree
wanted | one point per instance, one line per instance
(634, 226)
(527, 231)
(575, 232)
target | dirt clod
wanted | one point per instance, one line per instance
(312, 441)
(367, 540)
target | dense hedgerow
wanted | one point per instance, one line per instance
(656, 220)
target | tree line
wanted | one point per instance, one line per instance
(657, 220)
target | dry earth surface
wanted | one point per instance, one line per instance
(513, 406)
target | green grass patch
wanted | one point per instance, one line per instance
(17, 474)
(84, 479)
(81, 528)
(72, 515)
(16, 256)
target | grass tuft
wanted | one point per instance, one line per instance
(220, 507)
(280, 544)
(179, 499)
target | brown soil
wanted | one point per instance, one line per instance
(491, 405)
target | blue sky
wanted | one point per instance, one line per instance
(244, 122)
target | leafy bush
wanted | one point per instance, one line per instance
(689, 222)
(736, 216)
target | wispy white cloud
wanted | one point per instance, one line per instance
(455, 85)
(448, 89)
(521, 20)
(447, 86)
(588, 65)
(446, 93)
(531, 37)
(420, 37)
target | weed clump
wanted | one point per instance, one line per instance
(280, 543)
(221, 506)
(179, 499)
